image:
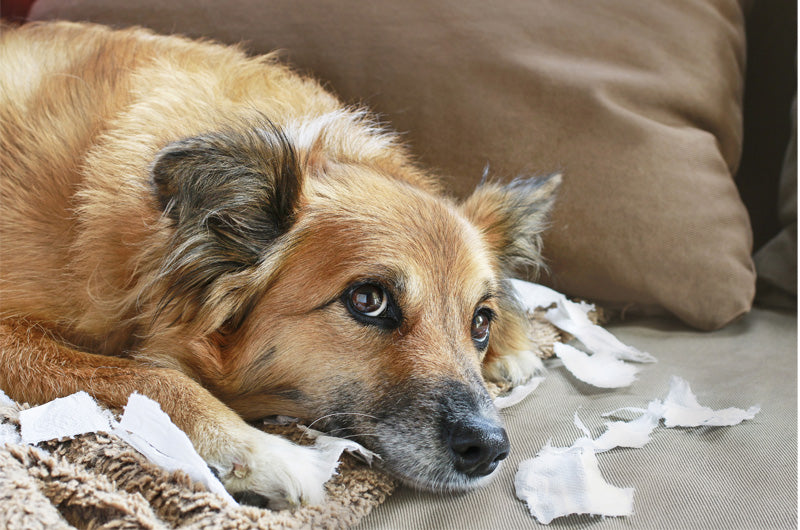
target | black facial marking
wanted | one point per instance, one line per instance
(263, 361)
(292, 394)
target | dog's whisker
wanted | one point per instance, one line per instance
(355, 435)
(352, 436)
(341, 414)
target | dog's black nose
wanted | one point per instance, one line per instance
(477, 444)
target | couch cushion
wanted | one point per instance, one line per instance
(640, 107)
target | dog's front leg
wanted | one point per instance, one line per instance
(253, 465)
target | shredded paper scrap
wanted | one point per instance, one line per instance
(606, 366)
(562, 481)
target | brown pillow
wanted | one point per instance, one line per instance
(638, 105)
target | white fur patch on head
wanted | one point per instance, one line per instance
(340, 135)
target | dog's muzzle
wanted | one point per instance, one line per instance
(440, 435)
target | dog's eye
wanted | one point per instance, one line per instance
(369, 303)
(480, 327)
(369, 299)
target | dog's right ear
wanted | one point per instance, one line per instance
(512, 218)
(229, 195)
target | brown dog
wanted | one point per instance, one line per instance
(222, 235)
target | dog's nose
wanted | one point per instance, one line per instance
(478, 445)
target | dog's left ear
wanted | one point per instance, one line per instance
(512, 218)
(229, 195)
(237, 190)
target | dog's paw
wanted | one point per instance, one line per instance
(512, 369)
(265, 470)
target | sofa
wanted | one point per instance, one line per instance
(675, 129)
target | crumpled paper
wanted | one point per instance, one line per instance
(334, 446)
(565, 481)
(146, 428)
(633, 434)
(681, 409)
(605, 368)
(562, 481)
(602, 370)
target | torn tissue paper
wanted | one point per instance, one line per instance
(681, 409)
(561, 482)
(605, 367)
(634, 434)
(564, 481)
(332, 447)
(149, 430)
(63, 418)
(602, 370)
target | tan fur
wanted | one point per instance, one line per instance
(90, 260)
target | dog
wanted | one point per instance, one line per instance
(221, 234)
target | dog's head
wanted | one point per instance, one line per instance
(329, 282)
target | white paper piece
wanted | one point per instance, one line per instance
(565, 481)
(633, 434)
(681, 409)
(605, 368)
(330, 444)
(601, 369)
(332, 449)
(62, 418)
(561, 482)
(572, 318)
(149, 430)
(518, 393)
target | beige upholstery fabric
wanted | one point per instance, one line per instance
(638, 105)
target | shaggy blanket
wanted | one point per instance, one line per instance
(97, 481)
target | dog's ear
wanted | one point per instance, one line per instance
(240, 188)
(229, 195)
(512, 218)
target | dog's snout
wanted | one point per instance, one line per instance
(477, 445)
